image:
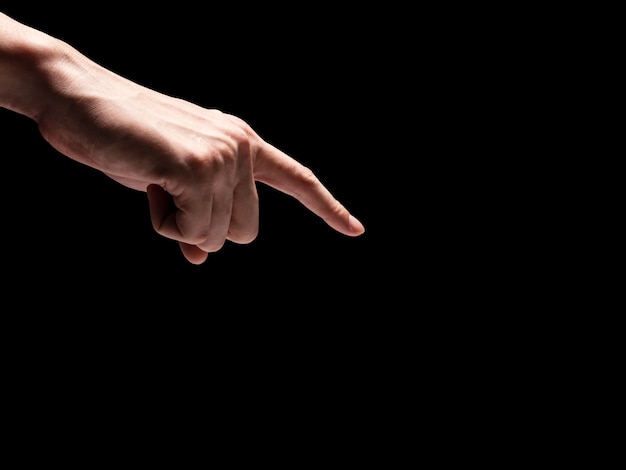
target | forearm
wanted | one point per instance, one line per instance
(39, 72)
(25, 56)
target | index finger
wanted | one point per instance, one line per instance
(278, 170)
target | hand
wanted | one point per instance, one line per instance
(198, 166)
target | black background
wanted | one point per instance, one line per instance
(307, 81)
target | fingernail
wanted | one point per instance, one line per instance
(355, 225)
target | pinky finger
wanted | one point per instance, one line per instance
(192, 253)
(161, 209)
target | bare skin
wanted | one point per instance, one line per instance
(198, 166)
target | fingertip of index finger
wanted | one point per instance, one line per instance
(355, 226)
